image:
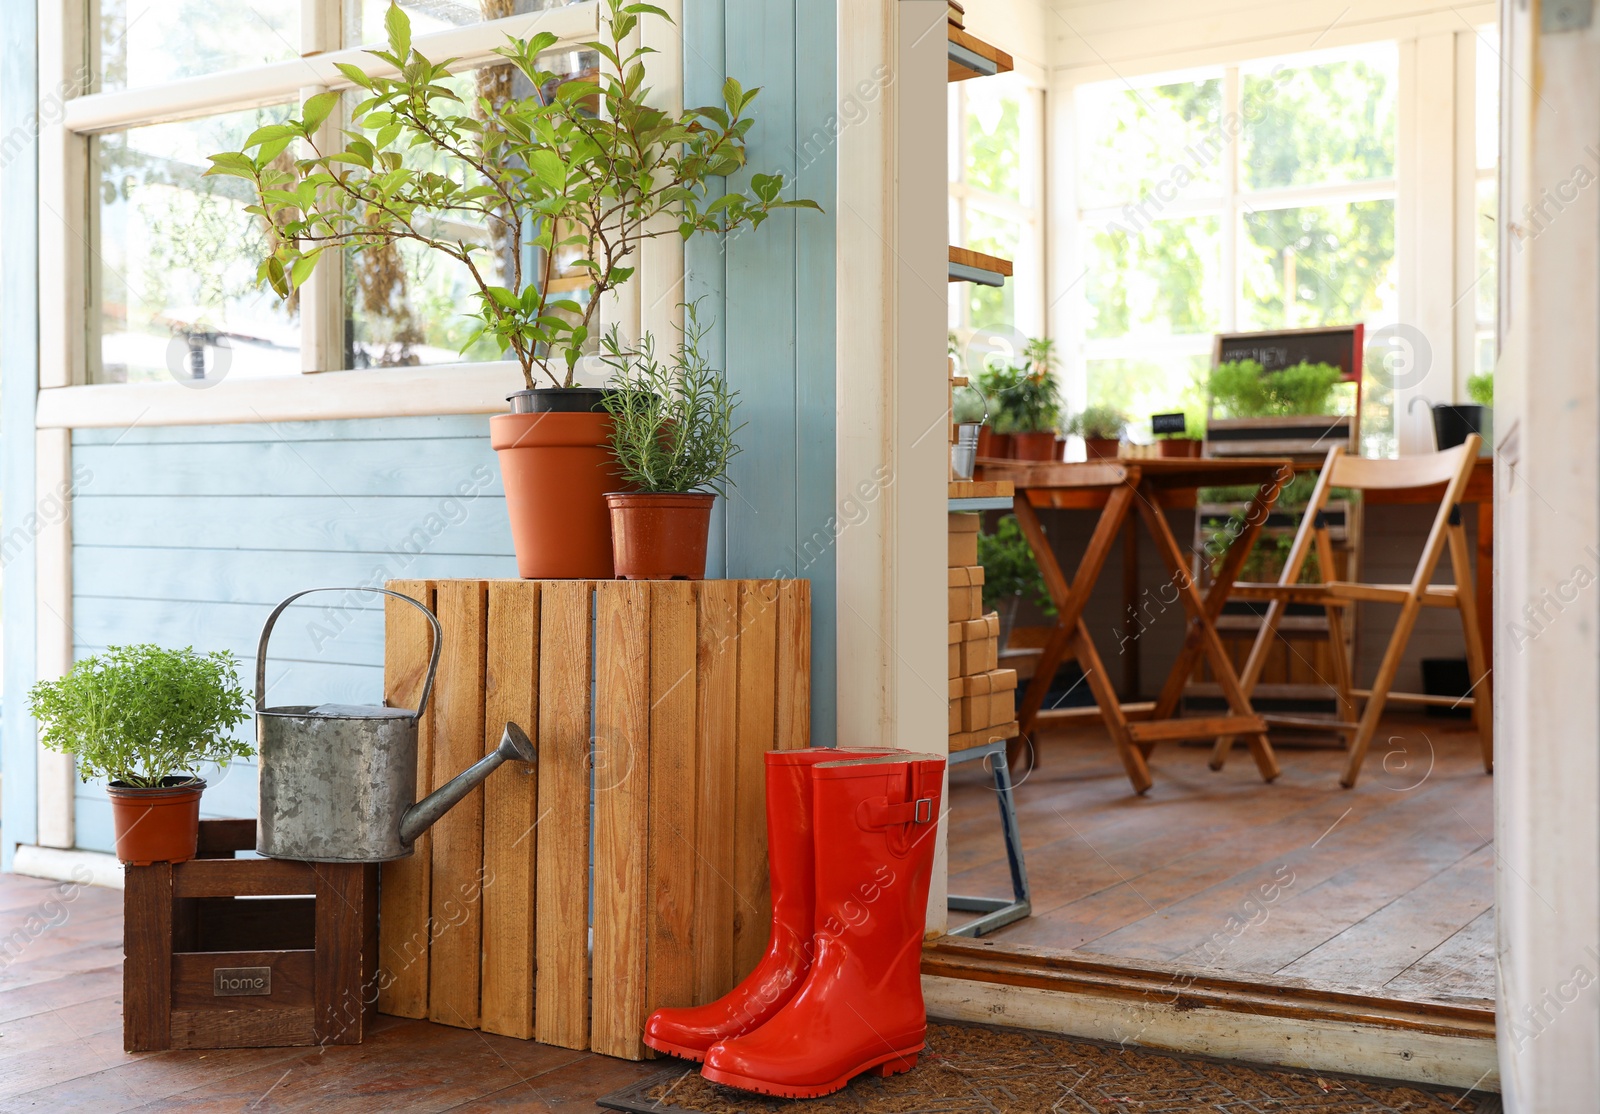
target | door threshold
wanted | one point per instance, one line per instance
(1284, 1022)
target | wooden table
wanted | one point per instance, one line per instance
(1150, 486)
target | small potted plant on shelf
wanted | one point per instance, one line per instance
(1010, 574)
(1025, 402)
(673, 435)
(1101, 429)
(556, 190)
(1185, 442)
(147, 719)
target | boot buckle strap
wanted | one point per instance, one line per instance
(880, 812)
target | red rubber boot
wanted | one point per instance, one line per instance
(688, 1032)
(860, 1007)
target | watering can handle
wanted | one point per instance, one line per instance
(266, 632)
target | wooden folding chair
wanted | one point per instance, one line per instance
(1448, 470)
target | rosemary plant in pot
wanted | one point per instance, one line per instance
(147, 718)
(1101, 429)
(566, 183)
(672, 432)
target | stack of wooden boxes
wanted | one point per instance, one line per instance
(982, 696)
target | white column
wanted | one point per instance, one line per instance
(892, 447)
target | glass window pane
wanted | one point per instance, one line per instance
(440, 15)
(997, 161)
(1161, 280)
(144, 42)
(1316, 124)
(407, 304)
(1140, 386)
(1318, 265)
(175, 265)
(994, 307)
(1139, 144)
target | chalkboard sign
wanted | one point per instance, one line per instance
(1168, 423)
(1339, 345)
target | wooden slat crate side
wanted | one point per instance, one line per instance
(561, 901)
(716, 901)
(670, 887)
(510, 811)
(455, 962)
(342, 961)
(405, 891)
(758, 641)
(621, 816)
(147, 951)
(793, 666)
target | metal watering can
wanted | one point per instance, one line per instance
(338, 781)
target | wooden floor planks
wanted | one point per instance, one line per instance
(1382, 886)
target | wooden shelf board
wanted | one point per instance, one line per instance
(970, 56)
(967, 265)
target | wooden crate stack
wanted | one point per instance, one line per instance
(982, 696)
(651, 704)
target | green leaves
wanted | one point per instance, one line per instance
(398, 25)
(540, 194)
(138, 714)
(672, 419)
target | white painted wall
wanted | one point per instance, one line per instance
(1547, 780)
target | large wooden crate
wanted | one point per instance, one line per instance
(651, 704)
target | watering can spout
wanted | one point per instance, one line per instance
(422, 815)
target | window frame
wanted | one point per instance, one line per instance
(323, 389)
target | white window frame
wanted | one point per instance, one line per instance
(66, 398)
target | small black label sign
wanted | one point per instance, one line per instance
(1167, 423)
(237, 981)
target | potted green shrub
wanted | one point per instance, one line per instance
(1010, 574)
(1025, 401)
(581, 168)
(1101, 429)
(146, 719)
(673, 435)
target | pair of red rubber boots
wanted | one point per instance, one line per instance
(838, 992)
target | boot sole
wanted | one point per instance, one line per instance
(683, 1052)
(893, 1064)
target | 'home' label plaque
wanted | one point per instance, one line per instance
(231, 981)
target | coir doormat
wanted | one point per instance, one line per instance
(1015, 1071)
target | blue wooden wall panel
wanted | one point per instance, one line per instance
(188, 536)
(19, 366)
(772, 290)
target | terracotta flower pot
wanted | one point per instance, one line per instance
(1179, 447)
(992, 445)
(1101, 448)
(156, 825)
(1036, 446)
(660, 537)
(557, 467)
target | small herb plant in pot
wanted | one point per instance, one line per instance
(559, 188)
(1452, 422)
(673, 435)
(146, 718)
(1101, 429)
(1027, 402)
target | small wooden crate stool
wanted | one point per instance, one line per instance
(247, 953)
